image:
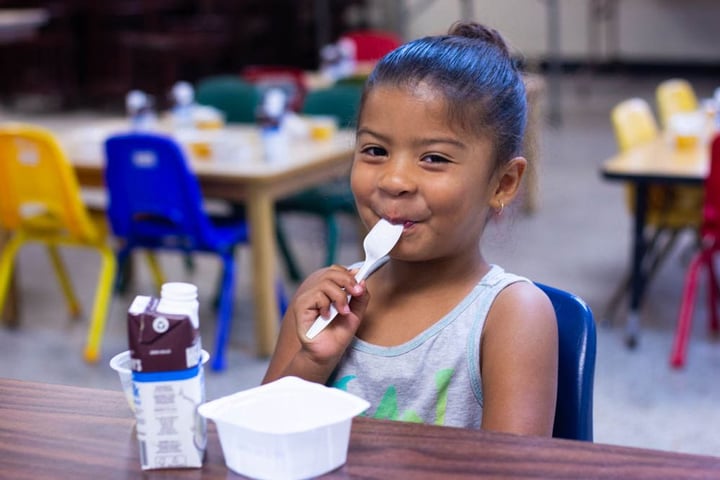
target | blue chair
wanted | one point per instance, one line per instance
(576, 365)
(155, 203)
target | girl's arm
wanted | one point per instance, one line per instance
(315, 359)
(519, 362)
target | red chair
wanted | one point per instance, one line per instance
(372, 45)
(710, 245)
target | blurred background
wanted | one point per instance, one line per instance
(71, 63)
(88, 53)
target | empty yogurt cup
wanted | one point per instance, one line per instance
(288, 429)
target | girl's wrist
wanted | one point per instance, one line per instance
(307, 366)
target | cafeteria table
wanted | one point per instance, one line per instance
(55, 431)
(656, 162)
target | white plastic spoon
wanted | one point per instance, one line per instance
(377, 244)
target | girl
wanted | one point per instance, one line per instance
(437, 334)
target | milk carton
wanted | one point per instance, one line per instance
(168, 379)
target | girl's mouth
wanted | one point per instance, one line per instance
(405, 223)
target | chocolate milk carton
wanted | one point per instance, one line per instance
(168, 381)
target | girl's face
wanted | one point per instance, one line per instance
(411, 166)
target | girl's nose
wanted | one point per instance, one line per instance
(396, 178)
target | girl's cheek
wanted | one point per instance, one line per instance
(360, 182)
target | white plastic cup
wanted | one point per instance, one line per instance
(121, 363)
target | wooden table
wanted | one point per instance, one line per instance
(246, 178)
(658, 162)
(53, 431)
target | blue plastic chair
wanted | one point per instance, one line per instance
(576, 365)
(155, 203)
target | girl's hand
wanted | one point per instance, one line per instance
(330, 286)
(315, 359)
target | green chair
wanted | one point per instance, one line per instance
(334, 197)
(340, 101)
(230, 94)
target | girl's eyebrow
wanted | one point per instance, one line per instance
(367, 131)
(418, 142)
(445, 140)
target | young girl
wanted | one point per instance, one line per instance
(438, 334)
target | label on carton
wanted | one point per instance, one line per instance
(170, 431)
(162, 338)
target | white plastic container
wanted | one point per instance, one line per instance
(288, 429)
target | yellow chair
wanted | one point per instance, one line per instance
(670, 209)
(40, 202)
(675, 95)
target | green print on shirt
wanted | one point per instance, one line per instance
(388, 407)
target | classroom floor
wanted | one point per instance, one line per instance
(577, 239)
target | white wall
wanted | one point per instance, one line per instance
(649, 30)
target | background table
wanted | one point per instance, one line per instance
(247, 178)
(243, 177)
(657, 162)
(54, 431)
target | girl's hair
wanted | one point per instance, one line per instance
(473, 69)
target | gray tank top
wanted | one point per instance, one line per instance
(433, 378)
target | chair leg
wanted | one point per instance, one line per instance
(7, 263)
(155, 270)
(660, 255)
(713, 296)
(282, 298)
(225, 313)
(65, 283)
(682, 332)
(189, 263)
(624, 287)
(333, 238)
(620, 291)
(124, 270)
(292, 268)
(103, 298)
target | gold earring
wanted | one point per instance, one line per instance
(499, 211)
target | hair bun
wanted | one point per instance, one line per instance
(480, 32)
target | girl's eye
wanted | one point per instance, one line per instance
(435, 159)
(374, 151)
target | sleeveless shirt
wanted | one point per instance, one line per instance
(433, 378)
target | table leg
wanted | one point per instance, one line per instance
(10, 314)
(262, 242)
(632, 327)
(535, 89)
(554, 62)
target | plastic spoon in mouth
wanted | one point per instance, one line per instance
(377, 244)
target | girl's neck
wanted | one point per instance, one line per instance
(400, 276)
(409, 297)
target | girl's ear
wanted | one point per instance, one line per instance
(508, 182)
